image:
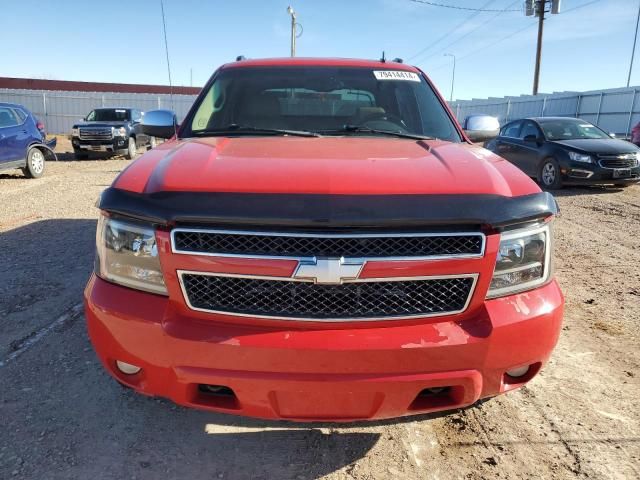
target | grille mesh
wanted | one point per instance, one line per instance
(255, 244)
(618, 162)
(276, 298)
(96, 134)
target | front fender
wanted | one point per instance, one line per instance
(46, 149)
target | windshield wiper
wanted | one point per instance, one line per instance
(360, 129)
(235, 128)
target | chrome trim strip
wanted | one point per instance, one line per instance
(330, 235)
(472, 290)
(589, 173)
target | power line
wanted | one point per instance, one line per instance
(456, 7)
(454, 29)
(490, 19)
(507, 37)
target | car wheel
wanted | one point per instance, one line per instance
(152, 142)
(549, 175)
(35, 163)
(132, 150)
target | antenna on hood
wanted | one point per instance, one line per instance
(166, 50)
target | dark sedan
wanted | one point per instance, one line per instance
(559, 150)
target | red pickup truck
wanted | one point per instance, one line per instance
(319, 240)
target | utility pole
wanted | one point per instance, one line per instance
(539, 8)
(453, 74)
(291, 12)
(540, 5)
(633, 51)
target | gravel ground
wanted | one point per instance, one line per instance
(62, 417)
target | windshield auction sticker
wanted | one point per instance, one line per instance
(396, 75)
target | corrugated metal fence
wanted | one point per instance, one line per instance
(614, 110)
(60, 110)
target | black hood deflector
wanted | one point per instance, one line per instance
(328, 211)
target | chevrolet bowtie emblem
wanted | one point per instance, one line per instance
(329, 270)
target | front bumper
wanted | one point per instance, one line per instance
(322, 374)
(114, 145)
(578, 173)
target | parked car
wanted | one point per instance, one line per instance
(635, 135)
(321, 241)
(559, 150)
(110, 130)
(23, 141)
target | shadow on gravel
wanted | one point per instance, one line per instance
(586, 190)
(44, 266)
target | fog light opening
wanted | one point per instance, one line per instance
(127, 368)
(216, 390)
(518, 372)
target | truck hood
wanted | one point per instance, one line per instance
(606, 146)
(324, 165)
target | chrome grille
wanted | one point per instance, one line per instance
(96, 133)
(618, 161)
(358, 300)
(223, 242)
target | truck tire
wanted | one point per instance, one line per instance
(152, 142)
(35, 163)
(132, 149)
(549, 174)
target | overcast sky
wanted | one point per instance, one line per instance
(121, 41)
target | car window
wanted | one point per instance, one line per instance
(512, 130)
(136, 115)
(108, 115)
(8, 118)
(529, 128)
(323, 100)
(20, 114)
(571, 129)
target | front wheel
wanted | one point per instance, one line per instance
(549, 175)
(152, 143)
(132, 150)
(35, 163)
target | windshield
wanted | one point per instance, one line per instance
(322, 100)
(570, 130)
(109, 115)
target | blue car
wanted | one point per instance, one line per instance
(23, 141)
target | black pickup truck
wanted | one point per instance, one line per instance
(110, 130)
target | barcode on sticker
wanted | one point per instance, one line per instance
(396, 75)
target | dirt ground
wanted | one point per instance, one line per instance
(62, 417)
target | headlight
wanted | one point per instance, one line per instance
(119, 132)
(127, 254)
(523, 261)
(75, 132)
(579, 157)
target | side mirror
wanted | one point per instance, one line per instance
(481, 127)
(160, 123)
(532, 139)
